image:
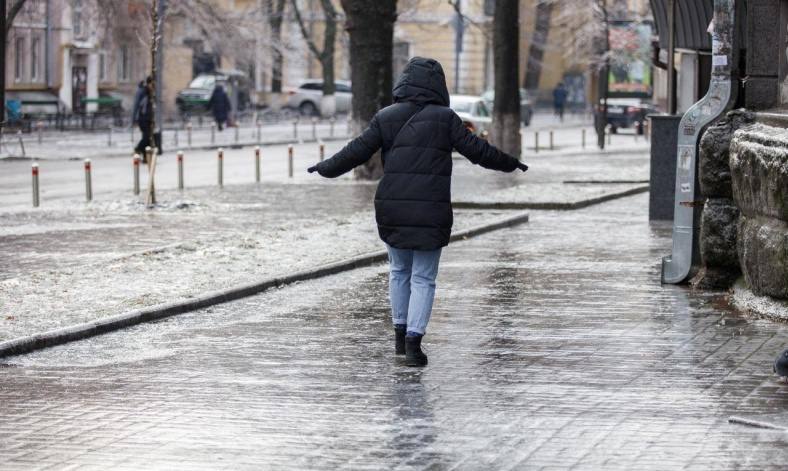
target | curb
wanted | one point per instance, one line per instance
(89, 329)
(549, 205)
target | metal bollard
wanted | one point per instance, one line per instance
(331, 128)
(136, 164)
(646, 130)
(583, 139)
(257, 164)
(536, 141)
(131, 131)
(348, 124)
(35, 186)
(175, 138)
(40, 126)
(220, 159)
(109, 137)
(322, 151)
(259, 133)
(290, 161)
(237, 131)
(609, 135)
(189, 134)
(148, 155)
(314, 128)
(88, 181)
(213, 133)
(180, 170)
(552, 146)
(21, 142)
(295, 129)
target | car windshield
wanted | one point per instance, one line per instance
(461, 106)
(203, 81)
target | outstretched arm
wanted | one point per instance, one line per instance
(479, 151)
(358, 151)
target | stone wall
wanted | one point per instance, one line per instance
(759, 175)
(720, 214)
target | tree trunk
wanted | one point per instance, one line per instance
(276, 9)
(506, 108)
(544, 12)
(370, 24)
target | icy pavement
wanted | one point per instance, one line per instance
(552, 346)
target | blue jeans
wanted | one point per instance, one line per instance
(412, 286)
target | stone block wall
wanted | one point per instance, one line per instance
(759, 175)
(718, 234)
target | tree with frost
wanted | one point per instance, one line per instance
(325, 56)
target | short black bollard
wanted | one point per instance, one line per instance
(322, 151)
(257, 164)
(180, 170)
(136, 165)
(290, 161)
(35, 186)
(536, 142)
(220, 160)
(88, 181)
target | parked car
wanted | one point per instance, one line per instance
(195, 97)
(526, 107)
(627, 113)
(307, 96)
(473, 112)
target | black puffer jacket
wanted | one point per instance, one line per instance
(413, 200)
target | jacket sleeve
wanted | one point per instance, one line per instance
(479, 151)
(355, 153)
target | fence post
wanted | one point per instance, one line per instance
(257, 164)
(583, 140)
(536, 142)
(175, 138)
(21, 142)
(40, 125)
(259, 135)
(314, 128)
(180, 170)
(237, 131)
(35, 186)
(295, 130)
(136, 164)
(220, 159)
(552, 147)
(213, 133)
(322, 151)
(290, 161)
(348, 124)
(131, 131)
(109, 137)
(331, 122)
(189, 134)
(88, 181)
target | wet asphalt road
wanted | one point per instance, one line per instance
(552, 346)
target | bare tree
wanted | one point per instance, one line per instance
(370, 24)
(275, 11)
(324, 56)
(506, 108)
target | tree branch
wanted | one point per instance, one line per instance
(309, 42)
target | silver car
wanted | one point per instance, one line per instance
(473, 112)
(306, 97)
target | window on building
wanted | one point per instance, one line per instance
(19, 61)
(35, 57)
(102, 67)
(77, 17)
(124, 64)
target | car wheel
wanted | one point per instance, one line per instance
(308, 108)
(613, 130)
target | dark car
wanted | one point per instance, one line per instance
(526, 107)
(627, 113)
(194, 98)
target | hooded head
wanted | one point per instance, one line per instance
(422, 81)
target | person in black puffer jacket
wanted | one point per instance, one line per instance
(413, 200)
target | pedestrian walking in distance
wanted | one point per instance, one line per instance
(143, 117)
(413, 203)
(220, 106)
(559, 99)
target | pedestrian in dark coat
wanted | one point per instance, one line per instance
(413, 201)
(220, 106)
(143, 116)
(560, 94)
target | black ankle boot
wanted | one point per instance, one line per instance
(399, 339)
(413, 354)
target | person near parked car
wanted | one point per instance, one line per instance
(413, 203)
(559, 99)
(220, 106)
(143, 117)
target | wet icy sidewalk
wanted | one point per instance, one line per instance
(552, 346)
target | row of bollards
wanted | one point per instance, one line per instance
(644, 131)
(149, 153)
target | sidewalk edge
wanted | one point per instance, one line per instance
(63, 335)
(550, 205)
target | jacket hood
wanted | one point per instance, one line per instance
(422, 81)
